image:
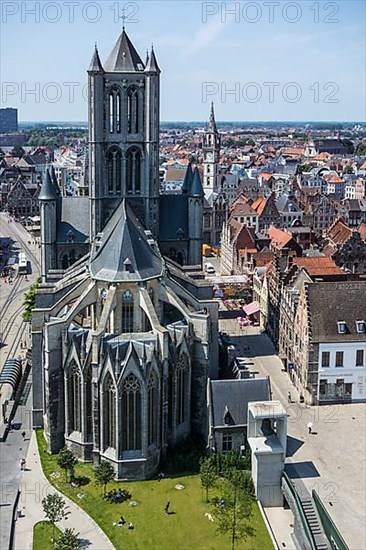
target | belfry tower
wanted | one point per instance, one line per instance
(211, 158)
(124, 98)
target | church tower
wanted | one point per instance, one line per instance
(211, 158)
(47, 206)
(124, 98)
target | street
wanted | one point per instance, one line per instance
(331, 460)
(14, 330)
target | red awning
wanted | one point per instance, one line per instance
(251, 308)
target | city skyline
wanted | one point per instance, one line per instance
(290, 69)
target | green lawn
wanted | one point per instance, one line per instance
(187, 528)
(42, 535)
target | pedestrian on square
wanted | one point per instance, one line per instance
(310, 425)
(23, 435)
(289, 398)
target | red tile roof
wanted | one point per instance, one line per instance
(279, 238)
(321, 265)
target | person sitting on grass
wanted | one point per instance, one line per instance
(122, 521)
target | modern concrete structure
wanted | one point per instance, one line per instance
(267, 434)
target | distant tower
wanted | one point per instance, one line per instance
(124, 98)
(48, 210)
(211, 158)
(195, 219)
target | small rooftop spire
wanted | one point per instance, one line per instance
(152, 64)
(95, 64)
(48, 192)
(212, 121)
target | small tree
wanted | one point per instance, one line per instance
(30, 301)
(68, 540)
(208, 475)
(234, 509)
(104, 473)
(54, 508)
(67, 460)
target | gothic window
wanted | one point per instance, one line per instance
(118, 113)
(133, 170)
(111, 113)
(89, 402)
(152, 412)
(109, 412)
(170, 394)
(114, 163)
(181, 389)
(131, 414)
(127, 312)
(133, 111)
(65, 262)
(75, 399)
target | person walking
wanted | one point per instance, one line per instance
(310, 426)
(166, 509)
(289, 398)
(23, 435)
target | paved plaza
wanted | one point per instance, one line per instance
(331, 460)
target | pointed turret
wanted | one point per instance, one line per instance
(96, 65)
(212, 122)
(152, 64)
(48, 192)
(54, 180)
(124, 58)
(188, 179)
(196, 189)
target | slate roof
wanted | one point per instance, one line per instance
(95, 64)
(48, 192)
(336, 301)
(173, 216)
(124, 239)
(285, 204)
(124, 57)
(74, 217)
(196, 189)
(233, 396)
(152, 64)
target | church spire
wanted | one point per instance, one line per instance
(152, 64)
(212, 122)
(124, 57)
(95, 65)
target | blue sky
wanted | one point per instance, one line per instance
(284, 60)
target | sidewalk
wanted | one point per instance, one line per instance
(34, 487)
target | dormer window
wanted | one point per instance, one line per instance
(361, 327)
(127, 265)
(342, 327)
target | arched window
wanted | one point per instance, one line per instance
(152, 408)
(131, 414)
(111, 113)
(74, 399)
(114, 163)
(127, 312)
(89, 403)
(109, 412)
(118, 113)
(181, 389)
(133, 111)
(72, 258)
(133, 170)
